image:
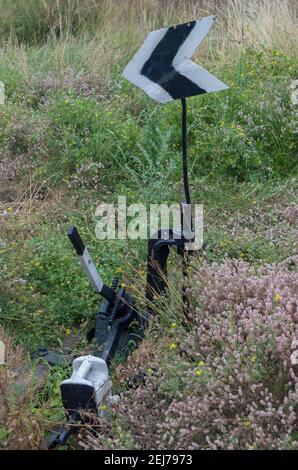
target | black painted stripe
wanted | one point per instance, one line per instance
(159, 69)
(76, 240)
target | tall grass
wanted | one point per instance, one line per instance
(99, 33)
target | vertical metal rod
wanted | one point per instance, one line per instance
(185, 260)
(184, 152)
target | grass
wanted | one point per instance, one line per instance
(74, 133)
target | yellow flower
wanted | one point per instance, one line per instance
(277, 297)
(246, 424)
(149, 371)
(104, 407)
(173, 346)
(122, 285)
(173, 325)
(253, 358)
(198, 372)
(9, 209)
(201, 363)
(67, 331)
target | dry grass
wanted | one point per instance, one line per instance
(96, 35)
(16, 397)
(241, 23)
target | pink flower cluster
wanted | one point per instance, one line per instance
(229, 383)
(86, 86)
(244, 320)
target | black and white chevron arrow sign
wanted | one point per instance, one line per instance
(162, 66)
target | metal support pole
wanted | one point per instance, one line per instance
(185, 260)
(184, 152)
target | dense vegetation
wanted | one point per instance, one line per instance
(74, 133)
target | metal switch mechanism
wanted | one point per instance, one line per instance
(89, 385)
(117, 310)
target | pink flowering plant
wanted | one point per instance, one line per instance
(222, 378)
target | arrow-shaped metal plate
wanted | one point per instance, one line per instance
(162, 66)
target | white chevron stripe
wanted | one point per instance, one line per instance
(195, 37)
(200, 76)
(132, 72)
